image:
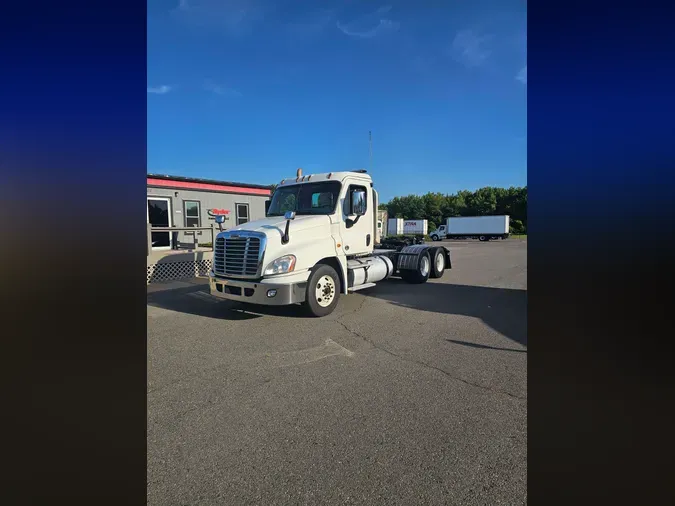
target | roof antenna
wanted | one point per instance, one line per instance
(370, 149)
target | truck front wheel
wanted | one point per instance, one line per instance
(323, 291)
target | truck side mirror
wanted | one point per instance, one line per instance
(289, 216)
(267, 206)
(220, 219)
(357, 202)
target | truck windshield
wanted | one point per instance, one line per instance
(305, 198)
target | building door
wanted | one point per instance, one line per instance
(159, 215)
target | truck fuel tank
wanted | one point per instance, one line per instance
(368, 270)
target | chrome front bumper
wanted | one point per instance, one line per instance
(263, 292)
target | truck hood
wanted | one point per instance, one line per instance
(274, 226)
(310, 238)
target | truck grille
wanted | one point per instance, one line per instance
(237, 256)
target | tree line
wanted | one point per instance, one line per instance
(488, 201)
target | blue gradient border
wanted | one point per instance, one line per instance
(73, 157)
(601, 163)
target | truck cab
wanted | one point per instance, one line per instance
(315, 243)
(439, 233)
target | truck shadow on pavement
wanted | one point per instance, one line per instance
(197, 301)
(483, 346)
(502, 309)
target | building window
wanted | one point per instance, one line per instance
(242, 213)
(192, 213)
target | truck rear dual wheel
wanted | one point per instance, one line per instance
(323, 291)
(437, 263)
(421, 273)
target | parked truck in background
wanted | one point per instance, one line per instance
(316, 243)
(483, 228)
(382, 216)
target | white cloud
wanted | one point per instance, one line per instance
(159, 90)
(220, 90)
(370, 25)
(522, 75)
(470, 48)
(383, 26)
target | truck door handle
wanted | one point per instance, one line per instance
(368, 240)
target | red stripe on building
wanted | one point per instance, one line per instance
(207, 186)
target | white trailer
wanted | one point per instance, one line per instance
(399, 226)
(483, 228)
(395, 226)
(316, 243)
(415, 227)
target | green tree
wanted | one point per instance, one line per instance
(453, 205)
(517, 227)
(433, 209)
(483, 202)
(415, 208)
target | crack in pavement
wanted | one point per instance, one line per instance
(204, 373)
(418, 362)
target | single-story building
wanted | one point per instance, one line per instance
(175, 201)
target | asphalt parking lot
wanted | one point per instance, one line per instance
(406, 394)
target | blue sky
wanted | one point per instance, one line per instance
(249, 90)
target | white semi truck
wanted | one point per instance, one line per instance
(483, 228)
(317, 242)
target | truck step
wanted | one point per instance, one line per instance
(360, 287)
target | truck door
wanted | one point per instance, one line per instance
(357, 230)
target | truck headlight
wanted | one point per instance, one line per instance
(281, 265)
